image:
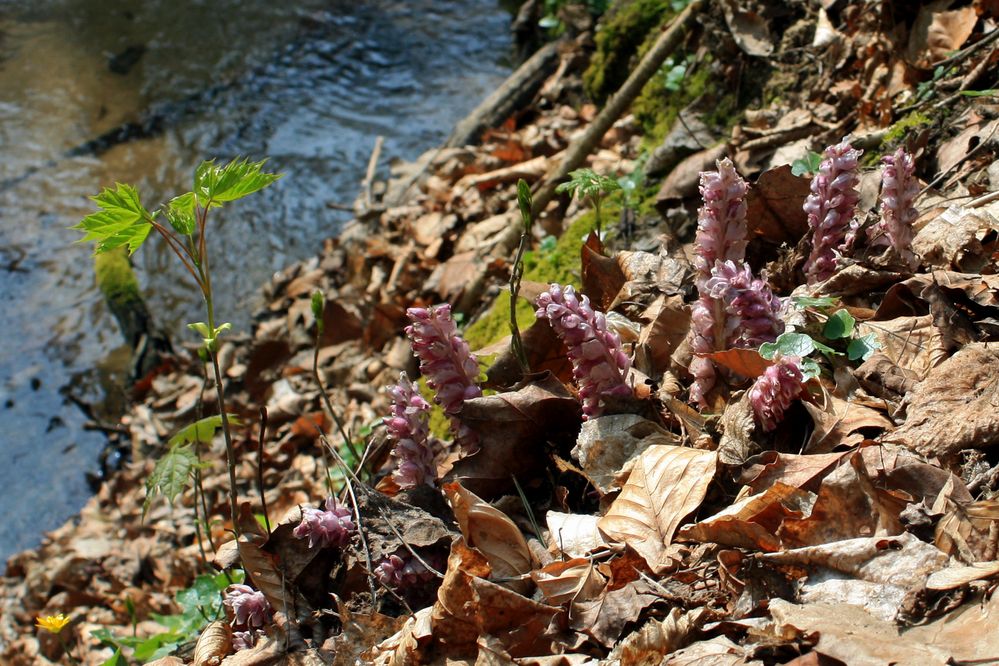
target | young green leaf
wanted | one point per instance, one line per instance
(180, 213)
(215, 185)
(121, 220)
(116, 659)
(201, 431)
(819, 302)
(318, 305)
(860, 349)
(789, 344)
(170, 475)
(584, 183)
(839, 325)
(806, 165)
(810, 368)
(524, 202)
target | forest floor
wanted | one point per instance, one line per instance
(863, 529)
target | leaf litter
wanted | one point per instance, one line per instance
(863, 529)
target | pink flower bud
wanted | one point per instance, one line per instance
(830, 208)
(721, 221)
(408, 428)
(774, 391)
(243, 640)
(898, 195)
(598, 363)
(451, 370)
(249, 607)
(331, 527)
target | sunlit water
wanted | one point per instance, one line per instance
(308, 83)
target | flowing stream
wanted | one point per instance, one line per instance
(139, 91)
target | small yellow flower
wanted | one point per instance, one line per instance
(52, 623)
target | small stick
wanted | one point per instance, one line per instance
(260, 468)
(369, 177)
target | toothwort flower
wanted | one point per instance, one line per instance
(752, 309)
(898, 194)
(721, 221)
(598, 364)
(445, 360)
(774, 391)
(408, 427)
(243, 640)
(250, 607)
(830, 208)
(397, 572)
(331, 527)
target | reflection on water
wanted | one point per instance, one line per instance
(309, 83)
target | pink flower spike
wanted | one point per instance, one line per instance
(331, 527)
(721, 221)
(753, 310)
(598, 363)
(898, 195)
(398, 572)
(408, 428)
(250, 607)
(830, 208)
(451, 370)
(774, 391)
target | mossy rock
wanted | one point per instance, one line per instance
(620, 37)
(560, 264)
(116, 279)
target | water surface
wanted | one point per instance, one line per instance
(308, 83)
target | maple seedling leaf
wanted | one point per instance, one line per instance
(121, 220)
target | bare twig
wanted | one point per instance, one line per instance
(260, 468)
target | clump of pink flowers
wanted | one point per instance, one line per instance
(450, 368)
(397, 572)
(331, 527)
(774, 391)
(599, 365)
(733, 309)
(407, 426)
(898, 195)
(721, 221)
(830, 208)
(752, 309)
(249, 607)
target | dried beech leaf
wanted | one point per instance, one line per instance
(573, 580)
(604, 618)
(839, 423)
(575, 535)
(607, 444)
(360, 631)
(753, 522)
(213, 644)
(656, 639)
(666, 484)
(912, 343)
(491, 531)
(956, 407)
(773, 206)
(262, 568)
(744, 362)
(959, 575)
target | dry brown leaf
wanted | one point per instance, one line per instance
(848, 633)
(263, 569)
(799, 471)
(959, 575)
(468, 606)
(912, 343)
(575, 535)
(749, 30)
(668, 322)
(360, 632)
(966, 531)
(511, 427)
(607, 444)
(718, 651)
(956, 407)
(773, 206)
(838, 423)
(572, 580)
(490, 531)
(876, 573)
(602, 275)
(605, 617)
(753, 522)
(213, 644)
(656, 639)
(666, 484)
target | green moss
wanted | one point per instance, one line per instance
(620, 38)
(561, 265)
(898, 131)
(116, 280)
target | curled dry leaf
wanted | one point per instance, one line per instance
(263, 569)
(774, 206)
(605, 617)
(573, 580)
(839, 423)
(956, 407)
(490, 531)
(959, 575)
(967, 529)
(666, 484)
(213, 644)
(656, 639)
(912, 343)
